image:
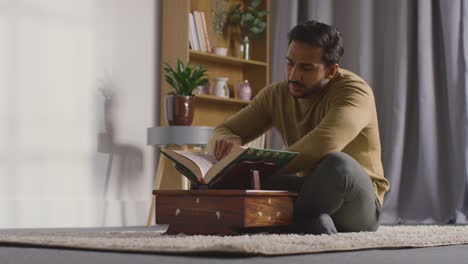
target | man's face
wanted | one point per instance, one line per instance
(306, 70)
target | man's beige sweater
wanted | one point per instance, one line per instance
(340, 117)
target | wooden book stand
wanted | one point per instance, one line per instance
(224, 211)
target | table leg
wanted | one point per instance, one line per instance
(157, 185)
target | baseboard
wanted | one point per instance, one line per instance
(72, 213)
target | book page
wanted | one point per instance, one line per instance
(220, 165)
(203, 161)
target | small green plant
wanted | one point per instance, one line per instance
(252, 22)
(185, 79)
(218, 16)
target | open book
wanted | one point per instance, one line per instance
(231, 171)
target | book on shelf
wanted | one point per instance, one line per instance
(233, 171)
(199, 27)
(193, 37)
(205, 31)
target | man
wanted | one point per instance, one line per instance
(327, 114)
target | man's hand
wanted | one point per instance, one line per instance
(224, 146)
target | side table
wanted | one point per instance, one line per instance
(175, 137)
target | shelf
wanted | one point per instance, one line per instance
(221, 99)
(211, 110)
(224, 59)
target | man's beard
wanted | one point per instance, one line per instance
(309, 91)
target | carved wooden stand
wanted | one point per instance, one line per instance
(223, 212)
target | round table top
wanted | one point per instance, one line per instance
(179, 135)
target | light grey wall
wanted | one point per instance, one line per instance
(77, 92)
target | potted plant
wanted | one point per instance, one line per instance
(218, 20)
(251, 22)
(179, 102)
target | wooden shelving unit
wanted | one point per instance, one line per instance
(211, 110)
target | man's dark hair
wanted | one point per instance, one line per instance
(320, 35)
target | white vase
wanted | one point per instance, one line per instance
(221, 88)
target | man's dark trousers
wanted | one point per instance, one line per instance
(339, 187)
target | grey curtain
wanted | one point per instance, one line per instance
(413, 54)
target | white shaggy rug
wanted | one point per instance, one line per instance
(257, 244)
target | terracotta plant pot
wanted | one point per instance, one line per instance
(179, 110)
